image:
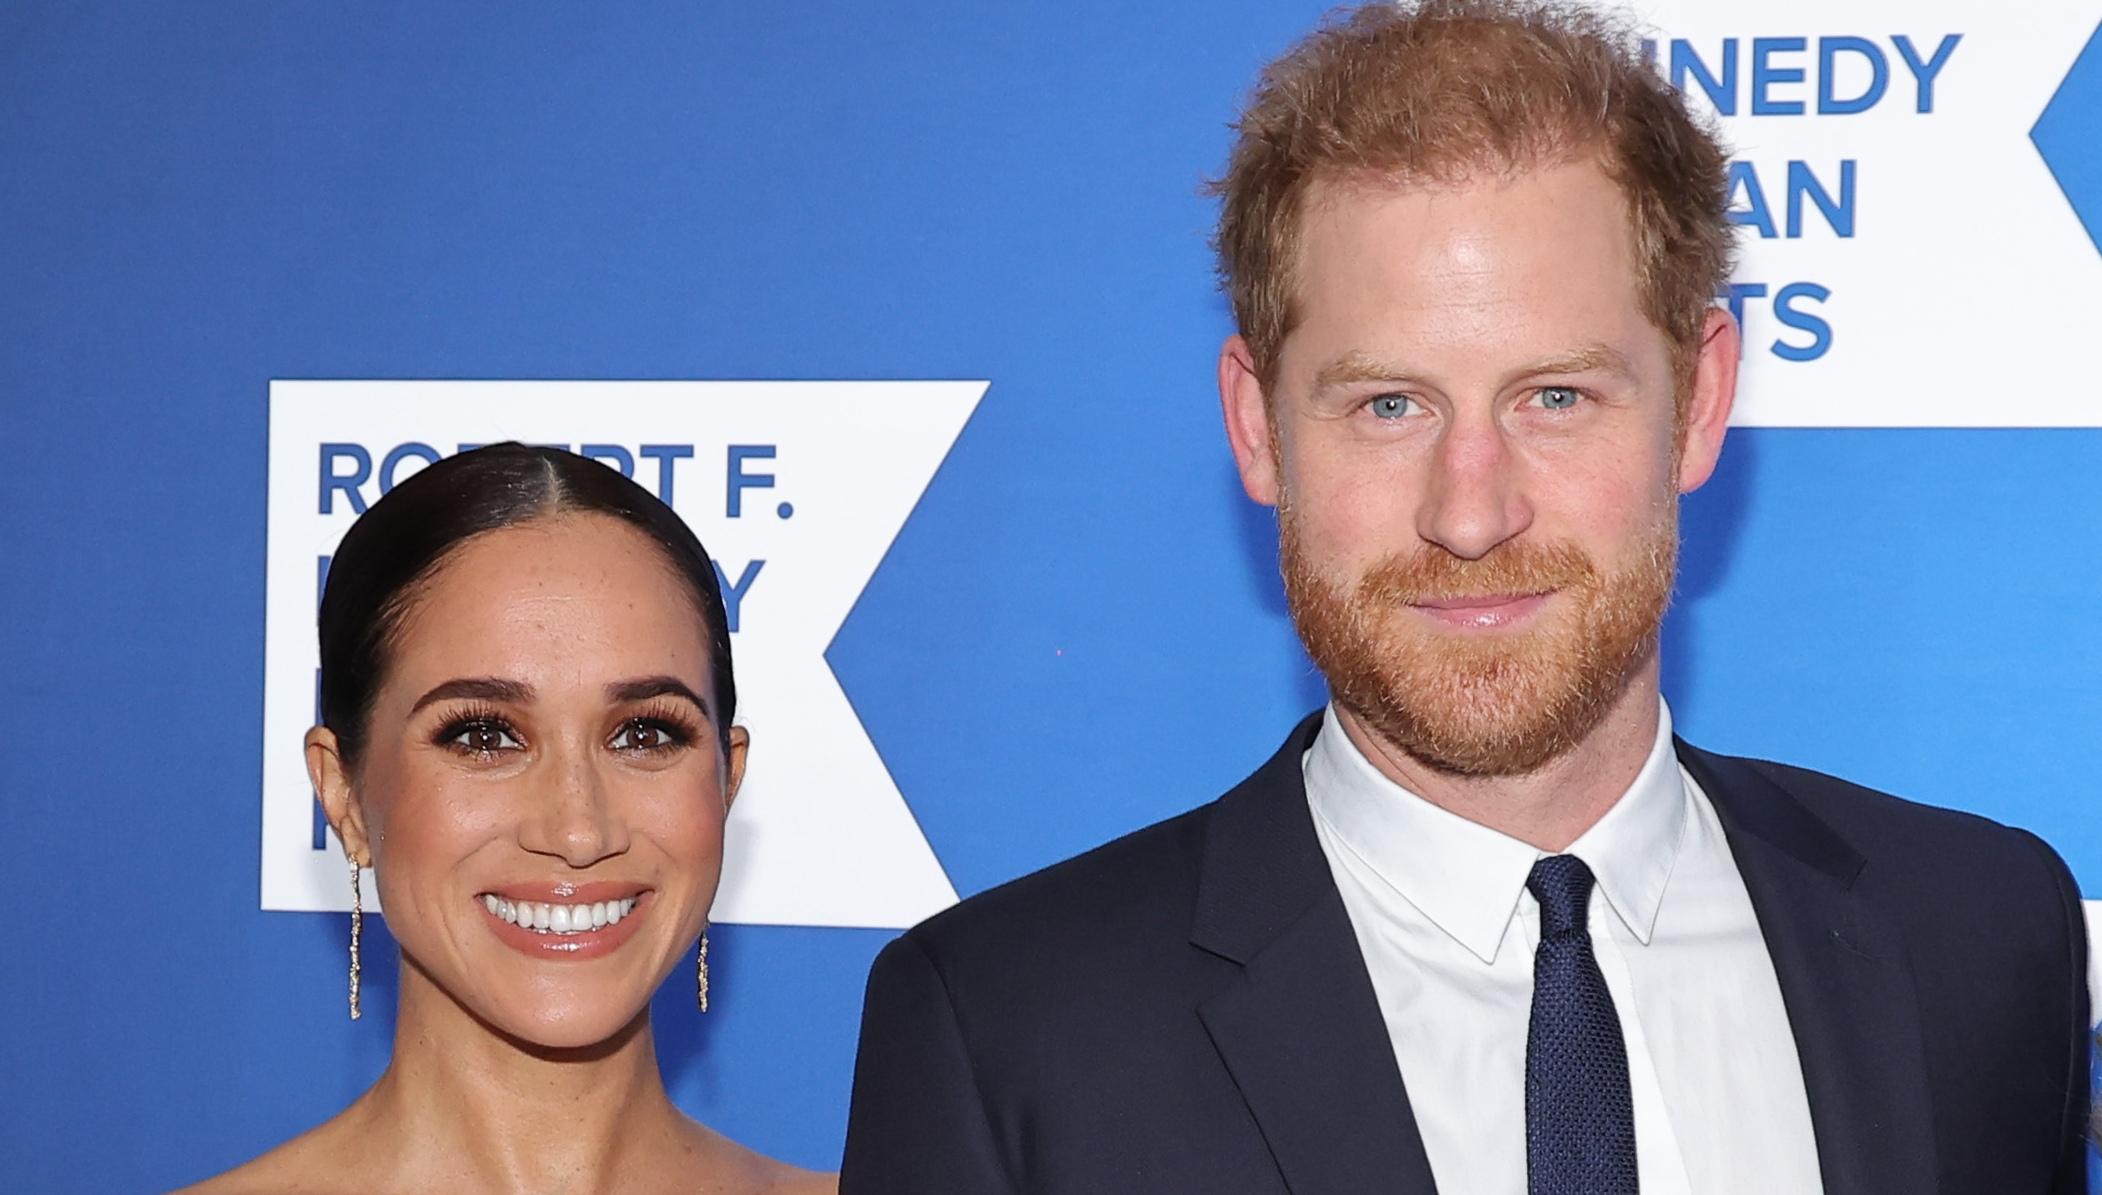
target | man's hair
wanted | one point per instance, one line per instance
(1443, 91)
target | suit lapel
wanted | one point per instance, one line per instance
(1844, 979)
(1300, 1030)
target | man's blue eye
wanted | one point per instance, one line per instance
(1391, 406)
(1558, 398)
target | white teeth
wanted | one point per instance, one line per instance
(558, 918)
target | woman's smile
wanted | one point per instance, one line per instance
(565, 921)
(527, 734)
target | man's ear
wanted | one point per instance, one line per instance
(1248, 425)
(1711, 393)
(735, 747)
(331, 777)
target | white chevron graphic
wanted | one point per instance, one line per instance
(1968, 294)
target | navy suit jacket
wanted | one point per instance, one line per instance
(1186, 1009)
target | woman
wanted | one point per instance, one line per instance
(526, 701)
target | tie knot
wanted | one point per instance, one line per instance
(1562, 885)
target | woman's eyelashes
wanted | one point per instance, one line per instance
(654, 731)
(479, 733)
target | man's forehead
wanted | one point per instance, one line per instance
(1546, 263)
(1458, 180)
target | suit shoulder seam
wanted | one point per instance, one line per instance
(963, 1041)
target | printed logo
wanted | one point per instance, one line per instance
(1908, 258)
(796, 488)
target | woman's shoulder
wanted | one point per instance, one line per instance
(267, 1175)
(306, 1165)
(791, 1181)
(315, 1164)
(738, 1167)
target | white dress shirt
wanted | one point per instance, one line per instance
(1448, 930)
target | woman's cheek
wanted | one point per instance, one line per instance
(689, 821)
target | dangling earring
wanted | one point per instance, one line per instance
(357, 928)
(701, 973)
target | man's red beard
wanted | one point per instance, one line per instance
(1496, 704)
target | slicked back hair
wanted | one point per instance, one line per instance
(392, 551)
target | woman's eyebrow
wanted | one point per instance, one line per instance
(485, 688)
(645, 687)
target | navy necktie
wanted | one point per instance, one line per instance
(1579, 1116)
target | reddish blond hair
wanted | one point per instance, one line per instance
(1445, 90)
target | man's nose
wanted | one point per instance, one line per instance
(574, 816)
(1473, 496)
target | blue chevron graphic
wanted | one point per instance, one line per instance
(2069, 136)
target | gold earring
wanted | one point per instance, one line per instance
(701, 973)
(357, 928)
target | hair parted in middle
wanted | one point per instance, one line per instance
(389, 556)
(1439, 92)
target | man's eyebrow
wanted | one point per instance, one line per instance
(643, 688)
(1355, 366)
(1591, 358)
(486, 688)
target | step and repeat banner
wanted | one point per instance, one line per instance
(910, 314)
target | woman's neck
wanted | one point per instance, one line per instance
(465, 1107)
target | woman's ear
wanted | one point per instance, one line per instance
(735, 745)
(331, 777)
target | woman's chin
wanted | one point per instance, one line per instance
(570, 1025)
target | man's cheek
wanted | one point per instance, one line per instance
(1602, 505)
(1375, 518)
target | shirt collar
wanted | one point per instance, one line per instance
(1467, 878)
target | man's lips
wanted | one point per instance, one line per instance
(1483, 611)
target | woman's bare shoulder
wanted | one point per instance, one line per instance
(264, 1176)
(791, 1181)
(740, 1168)
(804, 1182)
(306, 1165)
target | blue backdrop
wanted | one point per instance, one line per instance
(1078, 631)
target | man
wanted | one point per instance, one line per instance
(1484, 925)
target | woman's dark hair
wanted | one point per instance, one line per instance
(406, 535)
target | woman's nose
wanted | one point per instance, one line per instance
(574, 817)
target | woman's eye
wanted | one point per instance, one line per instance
(485, 738)
(1557, 398)
(640, 734)
(1391, 406)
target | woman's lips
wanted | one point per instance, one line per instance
(569, 891)
(571, 927)
(1487, 612)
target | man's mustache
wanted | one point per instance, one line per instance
(1512, 568)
